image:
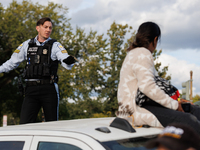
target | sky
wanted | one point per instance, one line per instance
(178, 20)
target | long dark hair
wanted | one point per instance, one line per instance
(145, 35)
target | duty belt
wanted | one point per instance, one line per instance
(32, 82)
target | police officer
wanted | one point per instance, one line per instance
(42, 55)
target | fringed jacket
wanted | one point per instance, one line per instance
(138, 71)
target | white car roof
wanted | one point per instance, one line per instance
(78, 126)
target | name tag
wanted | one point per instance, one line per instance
(32, 50)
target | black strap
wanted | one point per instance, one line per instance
(50, 43)
(31, 42)
(39, 82)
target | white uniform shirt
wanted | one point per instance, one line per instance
(58, 52)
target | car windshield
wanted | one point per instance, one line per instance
(127, 144)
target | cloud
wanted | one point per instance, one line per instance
(178, 20)
(180, 72)
(69, 3)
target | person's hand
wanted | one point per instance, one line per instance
(185, 101)
(69, 60)
(180, 107)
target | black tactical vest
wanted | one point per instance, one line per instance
(39, 64)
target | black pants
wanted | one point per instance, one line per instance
(38, 96)
(167, 116)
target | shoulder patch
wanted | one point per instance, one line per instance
(16, 51)
(61, 47)
(64, 51)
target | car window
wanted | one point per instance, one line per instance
(58, 143)
(56, 146)
(127, 144)
(11, 145)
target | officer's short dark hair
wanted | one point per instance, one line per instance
(43, 20)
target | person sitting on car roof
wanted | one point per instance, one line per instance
(143, 96)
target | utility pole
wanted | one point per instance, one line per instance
(191, 85)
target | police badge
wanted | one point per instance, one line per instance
(44, 51)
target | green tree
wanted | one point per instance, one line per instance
(161, 72)
(115, 54)
(196, 98)
(85, 80)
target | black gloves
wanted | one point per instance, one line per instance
(69, 60)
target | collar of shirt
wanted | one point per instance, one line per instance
(40, 44)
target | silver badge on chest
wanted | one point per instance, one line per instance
(45, 51)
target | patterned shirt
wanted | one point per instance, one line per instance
(138, 71)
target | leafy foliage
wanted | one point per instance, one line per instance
(163, 72)
(196, 98)
(115, 55)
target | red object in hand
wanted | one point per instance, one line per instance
(176, 95)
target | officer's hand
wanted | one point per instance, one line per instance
(69, 60)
